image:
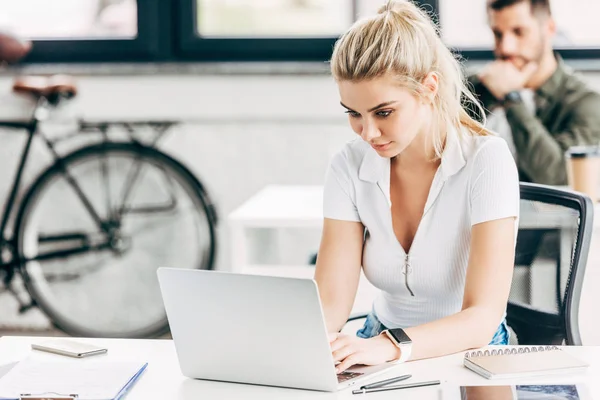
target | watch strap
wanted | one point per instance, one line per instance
(402, 341)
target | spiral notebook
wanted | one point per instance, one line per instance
(519, 362)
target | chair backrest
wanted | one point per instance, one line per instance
(553, 241)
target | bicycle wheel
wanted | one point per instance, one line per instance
(93, 229)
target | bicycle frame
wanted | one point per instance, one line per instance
(104, 175)
(107, 228)
(9, 259)
(8, 243)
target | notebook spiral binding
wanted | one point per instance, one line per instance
(504, 352)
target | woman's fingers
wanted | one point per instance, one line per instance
(339, 342)
(342, 353)
(352, 350)
(349, 361)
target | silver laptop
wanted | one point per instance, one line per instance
(252, 329)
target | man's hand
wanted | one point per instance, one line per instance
(12, 48)
(352, 350)
(502, 77)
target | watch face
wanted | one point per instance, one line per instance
(400, 336)
(513, 96)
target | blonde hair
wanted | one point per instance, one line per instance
(402, 41)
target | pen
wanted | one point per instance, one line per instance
(406, 386)
(385, 382)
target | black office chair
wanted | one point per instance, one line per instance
(553, 242)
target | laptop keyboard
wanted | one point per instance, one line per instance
(344, 376)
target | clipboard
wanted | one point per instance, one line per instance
(48, 396)
(70, 380)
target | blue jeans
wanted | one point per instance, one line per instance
(374, 327)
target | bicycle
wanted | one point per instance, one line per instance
(92, 228)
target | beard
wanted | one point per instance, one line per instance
(521, 60)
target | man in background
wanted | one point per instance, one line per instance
(532, 99)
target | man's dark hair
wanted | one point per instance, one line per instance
(537, 6)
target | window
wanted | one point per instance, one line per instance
(577, 32)
(86, 30)
(262, 30)
(268, 30)
(249, 30)
(274, 18)
(70, 19)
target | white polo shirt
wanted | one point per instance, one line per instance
(477, 181)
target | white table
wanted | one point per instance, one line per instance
(275, 206)
(163, 379)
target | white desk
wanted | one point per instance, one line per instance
(275, 206)
(163, 379)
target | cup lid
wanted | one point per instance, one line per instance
(583, 151)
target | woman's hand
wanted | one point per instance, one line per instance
(352, 350)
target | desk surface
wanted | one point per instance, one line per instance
(282, 206)
(163, 379)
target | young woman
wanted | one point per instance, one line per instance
(426, 200)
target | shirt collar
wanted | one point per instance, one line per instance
(453, 159)
(375, 168)
(553, 84)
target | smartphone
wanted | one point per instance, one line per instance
(67, 347)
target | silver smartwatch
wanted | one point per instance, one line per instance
(512, 98)
(402, 341)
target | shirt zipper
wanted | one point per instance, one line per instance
(407, 270)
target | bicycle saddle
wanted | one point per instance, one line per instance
(46, 86)
(12, 48)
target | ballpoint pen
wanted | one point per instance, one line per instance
(395, 387)
(386, 382)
